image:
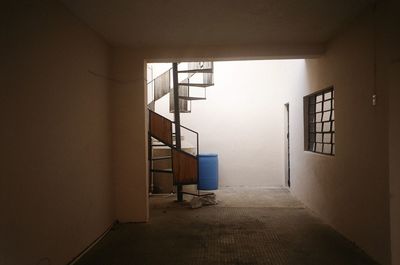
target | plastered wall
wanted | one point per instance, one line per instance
(71, 118)
(129, 134)
(55, 184)
(350, 191)
(394, 157)
(390, 77)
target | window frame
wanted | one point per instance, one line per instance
(314, 126)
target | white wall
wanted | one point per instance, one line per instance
(350, 191)
(242, 119)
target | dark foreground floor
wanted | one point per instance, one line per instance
(225, 235)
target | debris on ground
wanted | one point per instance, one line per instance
(205, 200)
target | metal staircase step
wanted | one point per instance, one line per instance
(208, 70)
(166, 170)
(195, 84)
(162, 144)
(191, 98)
(161, 158)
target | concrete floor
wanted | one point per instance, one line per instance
(248, 226)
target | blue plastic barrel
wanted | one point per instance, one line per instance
(208, 172)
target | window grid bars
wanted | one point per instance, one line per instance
(314, 123)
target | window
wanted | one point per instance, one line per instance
(319, 121)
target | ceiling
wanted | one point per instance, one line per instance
(175, 23)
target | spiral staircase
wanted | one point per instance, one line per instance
(184, 82)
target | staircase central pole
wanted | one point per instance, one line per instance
(177, 119)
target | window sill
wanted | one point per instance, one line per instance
(319, 154)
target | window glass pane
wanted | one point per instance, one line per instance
(318, 137)
(319, 98)
(327, 116)
(318, 127)
(333, 125)
(328, 95)
(318, 148)
(327, 137)
(318, 107)
(333, 149)
(327, 105)
(318, 117)
(333, 114)
(327, 126)
(327, 148)
(333, 137)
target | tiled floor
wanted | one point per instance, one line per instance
(248, 226)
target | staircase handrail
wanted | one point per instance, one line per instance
(159, 75)
(202, 67)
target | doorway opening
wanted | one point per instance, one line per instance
(237, 115)
(287, 146)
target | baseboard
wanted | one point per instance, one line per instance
(74, 260)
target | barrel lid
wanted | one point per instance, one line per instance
(208, 155)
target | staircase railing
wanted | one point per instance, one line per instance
(185, 168)
(184, 164)
(161, 85)
(161, 129)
